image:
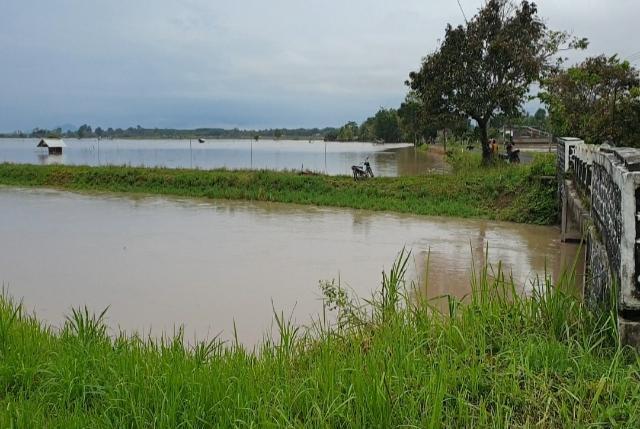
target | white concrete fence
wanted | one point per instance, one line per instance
(599, 191)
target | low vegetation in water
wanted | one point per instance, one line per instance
(513, 193)
(495, 360)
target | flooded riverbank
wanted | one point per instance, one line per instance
(158, 263)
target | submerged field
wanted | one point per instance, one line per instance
(525, 193)
(494, 361)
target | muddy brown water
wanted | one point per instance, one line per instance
(160, 263)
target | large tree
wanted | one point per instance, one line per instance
(597, 100)
(485, 68)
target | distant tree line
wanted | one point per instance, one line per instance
(385, 126)
(404, 124)
(138, 132)
(539, 120)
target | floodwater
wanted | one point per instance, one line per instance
(159, 263)
(331, 158)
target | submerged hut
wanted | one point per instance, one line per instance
(55, 145)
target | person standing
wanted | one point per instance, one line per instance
(494, 147)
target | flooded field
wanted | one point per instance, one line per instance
(158, 263)
(330, 158)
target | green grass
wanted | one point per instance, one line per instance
(495, 360)
(510, 193)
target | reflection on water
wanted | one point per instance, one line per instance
(158, 263)
(526, 253)
(332, 158)
(45, 159)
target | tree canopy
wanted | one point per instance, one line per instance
(348, 132)
(597, 100)
(415, 121)
(387, 125)
(383, 126)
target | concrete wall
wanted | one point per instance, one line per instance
(615, 210)
(607, 181)
(598, 289)
(606, 199)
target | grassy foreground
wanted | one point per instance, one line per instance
(493, 361)
(507, 193)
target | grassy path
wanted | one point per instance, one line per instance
(510, 193)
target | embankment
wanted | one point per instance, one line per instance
(511, 193)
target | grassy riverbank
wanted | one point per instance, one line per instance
(492, 362)
(513, 193)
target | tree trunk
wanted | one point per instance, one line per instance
(484, 140)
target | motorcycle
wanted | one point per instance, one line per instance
(512, 156)
(362, 172)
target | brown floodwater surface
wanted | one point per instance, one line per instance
(160, 263)
(333, 158)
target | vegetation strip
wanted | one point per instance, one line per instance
(509, 193)
(496, 360)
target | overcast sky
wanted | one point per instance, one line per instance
(244, 63)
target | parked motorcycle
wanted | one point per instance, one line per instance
(362, 172)
(514, 156)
